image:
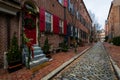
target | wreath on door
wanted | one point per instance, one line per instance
(29, 21)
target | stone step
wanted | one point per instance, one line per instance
(36, 48)
(36, 57)
(39, 56)
(35, 45)
(37, 52)
(38, 62)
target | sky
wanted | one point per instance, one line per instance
(100, 8)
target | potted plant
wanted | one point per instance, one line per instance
(64, 46)
(14, 57)
(46, 48)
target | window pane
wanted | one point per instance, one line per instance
(48, 27)
(60, 1)
(48, 21)
(61, 26)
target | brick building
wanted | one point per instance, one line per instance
(112, 25)
(58, 20)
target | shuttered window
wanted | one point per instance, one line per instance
(48, 22)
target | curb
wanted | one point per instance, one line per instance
(116, 68)
(51, 74)
(114, 65)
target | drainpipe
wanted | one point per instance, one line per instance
(64, 19)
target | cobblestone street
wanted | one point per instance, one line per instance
(93, 65)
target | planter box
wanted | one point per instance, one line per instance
(14, 66)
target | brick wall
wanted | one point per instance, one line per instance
(8, 25)
(53, 7)
(53, 40)
(114, 19)
(3, 37)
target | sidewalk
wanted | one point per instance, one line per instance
(26, 74)
(114, 52)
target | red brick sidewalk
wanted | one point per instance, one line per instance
(114, 52)
(26, 74)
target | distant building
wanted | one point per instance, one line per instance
(112, 26)
(102, 35)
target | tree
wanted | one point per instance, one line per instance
(95, 20)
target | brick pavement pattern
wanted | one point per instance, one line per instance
(93, 65)
(114, 52)
(26, 74)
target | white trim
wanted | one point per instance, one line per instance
(51, 23)
(5, 61)
(7, 11)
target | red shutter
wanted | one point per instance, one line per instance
(42, 20)
(65, 27)
(55, 24)
(65, 3)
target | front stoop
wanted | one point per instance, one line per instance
(39, 56)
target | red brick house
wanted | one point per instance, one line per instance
(58, 20)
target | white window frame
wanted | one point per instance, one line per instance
(71, 30)
(48, 19)
(61, 26)
(76, 32)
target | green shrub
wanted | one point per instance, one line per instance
(14, 54)
(63, 46)
(46, 46)
(106, 38)
(116, 41)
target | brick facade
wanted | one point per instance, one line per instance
(113, 20)
(54, 8)
(9, 25)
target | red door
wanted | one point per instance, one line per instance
(31, 35)
(30, 27)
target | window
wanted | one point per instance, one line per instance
(71, 30)
(70, 7)
(60, 1)
(77, 14)
(76, 32)
(61, 26)
(48, 22)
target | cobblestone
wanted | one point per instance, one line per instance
(94, 65)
